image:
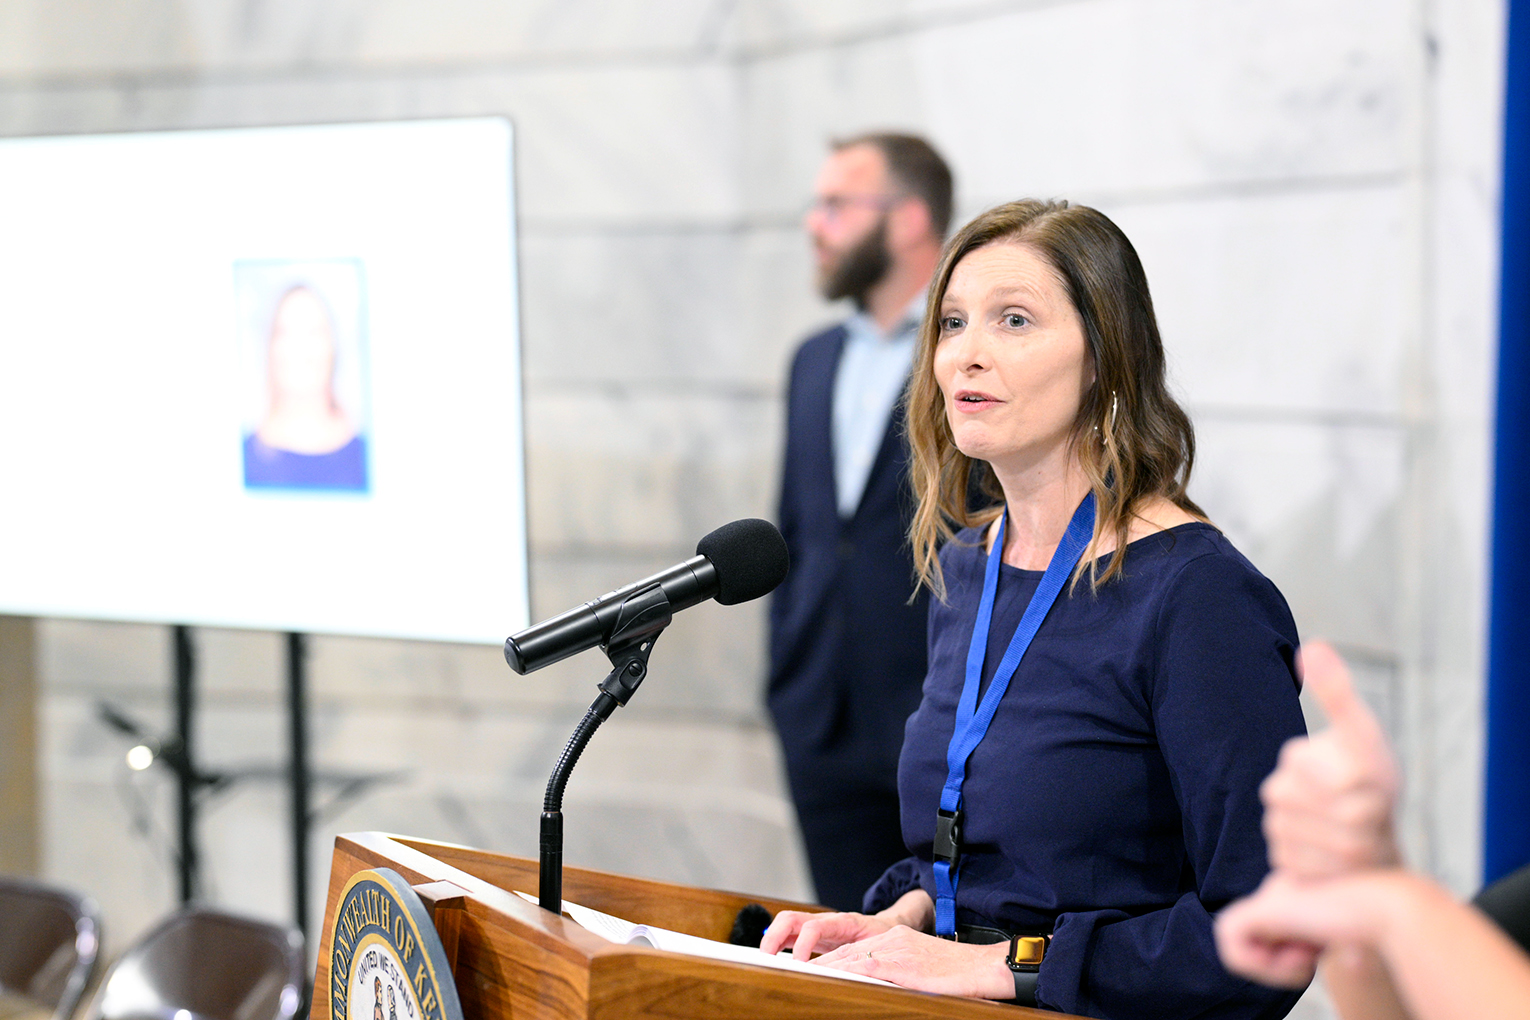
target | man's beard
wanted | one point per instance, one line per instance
(859, 269)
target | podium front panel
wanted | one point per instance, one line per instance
(512, 960)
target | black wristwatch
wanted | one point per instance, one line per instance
(1025, 955)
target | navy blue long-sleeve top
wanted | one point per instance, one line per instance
(1115, 795)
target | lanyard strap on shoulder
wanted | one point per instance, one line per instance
(972, 718)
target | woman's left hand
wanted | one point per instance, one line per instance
(928, 964)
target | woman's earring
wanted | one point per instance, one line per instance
(1108, 435)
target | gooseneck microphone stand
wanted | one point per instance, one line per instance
(641, 619)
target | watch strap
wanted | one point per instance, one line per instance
(1025, 987)
(1026, 953)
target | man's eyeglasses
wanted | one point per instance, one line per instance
(833, 206)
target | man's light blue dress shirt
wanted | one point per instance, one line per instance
(873, 369)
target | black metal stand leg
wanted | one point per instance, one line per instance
(297, 718)
(185, 707)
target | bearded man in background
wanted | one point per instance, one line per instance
(847, 646)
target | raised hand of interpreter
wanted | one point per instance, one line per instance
(1400, 945)
(1328, 806)
(1276, 935)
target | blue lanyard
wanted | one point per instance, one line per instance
(972, 719)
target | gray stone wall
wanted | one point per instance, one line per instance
(1311, 184)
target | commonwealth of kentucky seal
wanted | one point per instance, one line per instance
(386, 959)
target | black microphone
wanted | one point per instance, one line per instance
(737, 562)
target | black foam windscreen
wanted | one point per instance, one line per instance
(749, 926)
(750, 556)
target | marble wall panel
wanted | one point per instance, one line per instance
(613, 467)
(594, 145)
(709, 665)
(1445, 688)
(106, 830)
(29, 110)
(1460, 249)
(429, 675)
(795, 104)
(480, 779)
(769, 28)
(636, 308)
(126, 36)
(1218, 93)
(1315, 506)
(1462, 261)
(74, 36)
(247, 852)
(779, 302)
(239, 666)
(125, 660)
(548, 29)
(1123, 98)
(508, 753)
(1291, 301)
(719, 308)
(230, 35)
(696, 845)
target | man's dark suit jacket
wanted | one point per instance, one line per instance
(847, 648)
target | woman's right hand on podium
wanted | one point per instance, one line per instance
(806, 934)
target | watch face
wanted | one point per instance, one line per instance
(386, 959)
(1027, 951)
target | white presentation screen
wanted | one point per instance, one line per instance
(264, 378)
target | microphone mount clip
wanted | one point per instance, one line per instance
(639, 622)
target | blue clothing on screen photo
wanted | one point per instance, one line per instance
(1115, 795)
(266, 467)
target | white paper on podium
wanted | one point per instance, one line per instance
(614, 929)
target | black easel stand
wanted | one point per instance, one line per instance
(298, 776)
(186, 779)
(189, 781)
(175, 752)
(639, 622)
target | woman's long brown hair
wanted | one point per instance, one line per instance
(1132, 438)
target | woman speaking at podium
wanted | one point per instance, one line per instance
(1109, 678)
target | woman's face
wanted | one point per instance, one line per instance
(302, 347)
(1011, 359)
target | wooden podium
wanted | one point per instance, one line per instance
(514, 961)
